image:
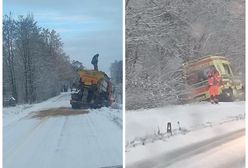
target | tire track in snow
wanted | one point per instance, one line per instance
(104, 118)
(61, 134)
(92, 127)
(168, 159)
(16, 121)
(40, 148)
(24, 139)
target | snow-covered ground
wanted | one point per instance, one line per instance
(146, 130)
(91, 138)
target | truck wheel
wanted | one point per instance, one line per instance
(75, 106)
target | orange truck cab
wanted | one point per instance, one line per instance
(196, 71)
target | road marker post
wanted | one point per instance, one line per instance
(169, 130)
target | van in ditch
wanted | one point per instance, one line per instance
(196, 71)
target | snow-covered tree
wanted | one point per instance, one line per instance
(35, 66)
(162, 34)
(9, 56)
(116, 78)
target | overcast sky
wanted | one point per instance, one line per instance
(86, 27)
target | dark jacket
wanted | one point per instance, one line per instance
(95, 59)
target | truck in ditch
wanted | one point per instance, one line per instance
(94, 90)
(195, 73)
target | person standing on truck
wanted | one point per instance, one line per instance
(94, 61)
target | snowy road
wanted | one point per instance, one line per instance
(149, 145)
(224, 151)
(61, 137)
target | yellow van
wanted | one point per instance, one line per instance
(195, 73)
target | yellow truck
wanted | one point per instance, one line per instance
(94, 90)
(195, 73)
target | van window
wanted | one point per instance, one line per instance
(192, 78)
(227, 69)
(199, 76)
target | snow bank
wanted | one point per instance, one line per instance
(158, 148)
(112, 114)
(146, 134)
(142, 123)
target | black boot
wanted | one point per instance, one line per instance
(216, 100)
(212, 99)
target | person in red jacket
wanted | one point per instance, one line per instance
(214, 83)
(217, 84)
(211, 87)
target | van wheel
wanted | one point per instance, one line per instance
(227, 95)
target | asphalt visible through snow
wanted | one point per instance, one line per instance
(224, 151)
